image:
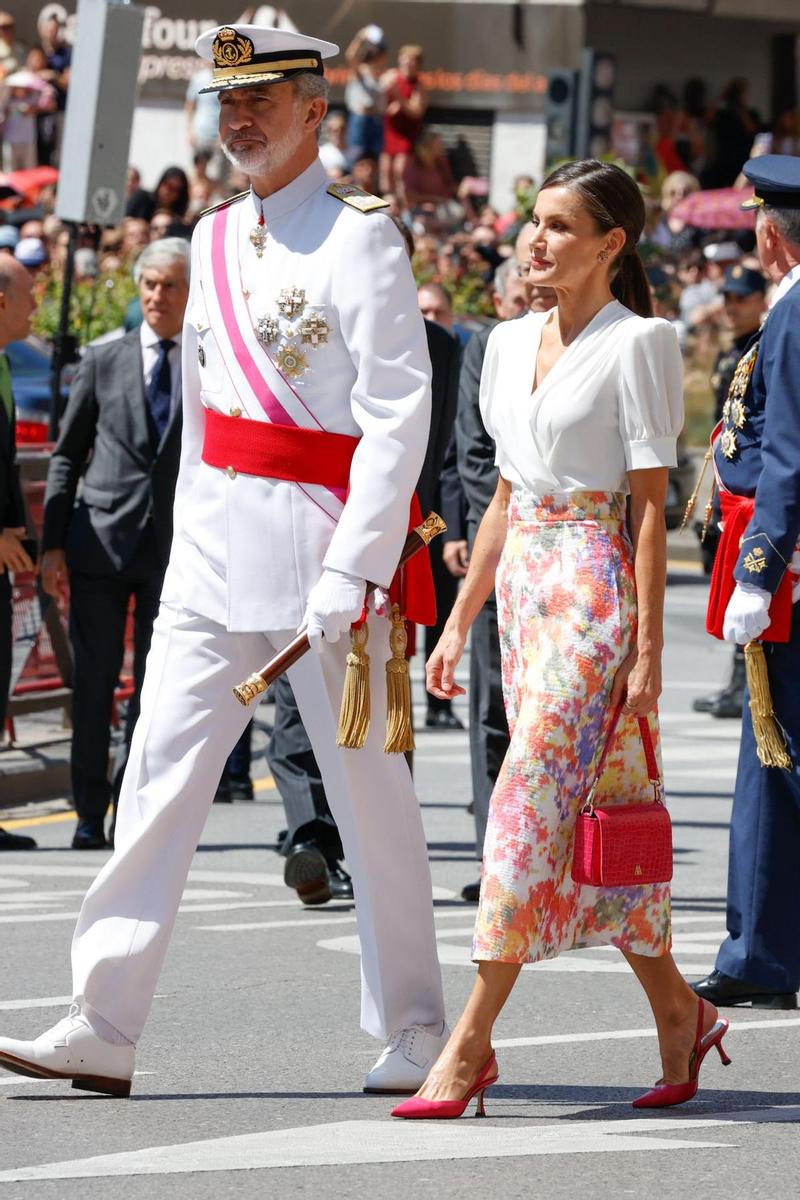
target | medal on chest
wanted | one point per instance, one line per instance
(735, 412)
(258, 235)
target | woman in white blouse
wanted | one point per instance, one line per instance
(585, 403)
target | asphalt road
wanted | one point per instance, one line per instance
(252, 1063)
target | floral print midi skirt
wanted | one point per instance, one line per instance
(567, 616)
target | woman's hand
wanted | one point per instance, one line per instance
(442, 664)
(637, 683)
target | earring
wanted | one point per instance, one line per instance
(602, 256)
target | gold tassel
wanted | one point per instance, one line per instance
(355, 710)
(770, 739)
(693, 498)
(399, 730)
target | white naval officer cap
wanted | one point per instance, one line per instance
(251, 55)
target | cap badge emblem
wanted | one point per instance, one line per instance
(231, 49)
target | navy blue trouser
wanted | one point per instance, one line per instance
(763, 943)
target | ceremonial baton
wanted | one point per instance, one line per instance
(254, 685)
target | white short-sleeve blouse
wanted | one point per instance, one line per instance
(612, 403)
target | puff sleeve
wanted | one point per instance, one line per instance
(651, 394)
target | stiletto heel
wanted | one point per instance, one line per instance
(726, 1060)
(418, 1109)
(664, 1095)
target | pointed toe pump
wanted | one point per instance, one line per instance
(664, 1095)
(437, 1110)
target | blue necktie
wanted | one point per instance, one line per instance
(158, 395)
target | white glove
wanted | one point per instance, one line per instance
(336, 601)
(747, 614)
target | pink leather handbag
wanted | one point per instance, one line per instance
(624, 845)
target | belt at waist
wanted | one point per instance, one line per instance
(277, 451)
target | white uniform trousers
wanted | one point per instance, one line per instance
(189, 722)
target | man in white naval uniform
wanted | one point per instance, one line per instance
(307, 320)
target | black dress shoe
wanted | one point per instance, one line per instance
(89, 837)
(240, 789)
(307, 872)
(471, 892)
(15, 841)
(728, 704)
(442, 718)
(725, 992)
(339, 882)
(704, 704)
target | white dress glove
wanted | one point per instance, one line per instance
(747, 614)
(336, 601)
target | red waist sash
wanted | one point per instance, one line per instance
(736, 514)
(312, 456)
(278, 451)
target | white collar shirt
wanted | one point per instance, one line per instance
(150, 352)
(785, 285)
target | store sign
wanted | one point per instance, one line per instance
(481, 55)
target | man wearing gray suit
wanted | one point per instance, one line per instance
(123, 419)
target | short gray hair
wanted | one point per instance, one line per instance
(787, 221)
(503, 275)
(308, 86)
(163, 253)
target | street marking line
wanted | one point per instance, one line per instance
(622, 1035)
(37, 1002)
(298, 924)
(361, 1142)
(29, 822)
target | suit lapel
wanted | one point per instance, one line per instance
(134, 385)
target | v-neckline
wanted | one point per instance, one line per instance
(537, 387)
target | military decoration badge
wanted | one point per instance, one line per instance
(291, 302)
(267, 329)
(314, 329)
(734, 411)
(258, 235)
(291, 361)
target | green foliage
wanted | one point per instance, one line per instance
(470, 294)
(96, 306)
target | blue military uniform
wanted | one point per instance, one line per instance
(758, 455)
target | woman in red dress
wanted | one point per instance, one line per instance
(406, 103)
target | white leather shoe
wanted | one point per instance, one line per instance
(406, 1060)
(72, 1050)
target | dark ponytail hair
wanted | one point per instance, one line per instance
(614, 201)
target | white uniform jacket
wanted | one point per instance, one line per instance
(247, 550)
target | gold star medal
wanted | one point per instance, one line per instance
(267, 329)
(314, 329)
(738, 414)
(291, 361)
(291, 301)
(728, 444)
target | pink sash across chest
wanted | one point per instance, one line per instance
(263, 391)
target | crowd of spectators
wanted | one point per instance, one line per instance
(381, 141)
(33, 94)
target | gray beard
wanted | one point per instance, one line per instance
(265, 158)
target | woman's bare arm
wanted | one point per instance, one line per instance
(638, 680)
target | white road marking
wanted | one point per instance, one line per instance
(357, 1142)
(36, 1002)
(298, 924)
(622, 1035)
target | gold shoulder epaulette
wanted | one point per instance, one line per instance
(356, 197)
(222, 203)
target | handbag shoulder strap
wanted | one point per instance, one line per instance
(647, 744)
